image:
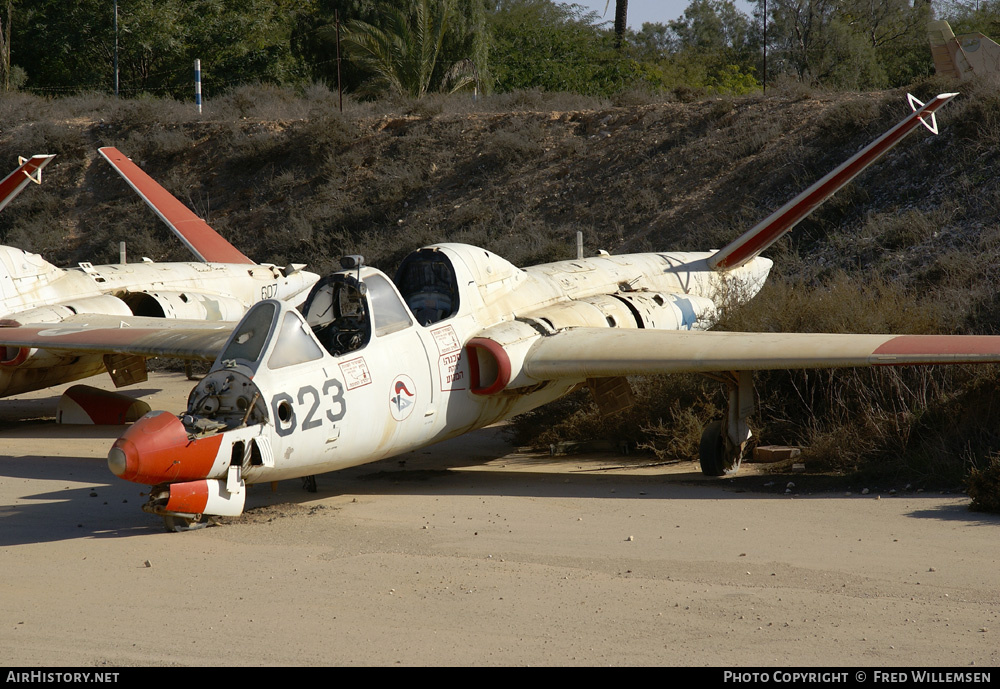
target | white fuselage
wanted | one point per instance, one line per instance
(287, 398)
(509, 306)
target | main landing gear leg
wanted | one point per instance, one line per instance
(724, 441)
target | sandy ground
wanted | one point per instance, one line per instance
(467, 554)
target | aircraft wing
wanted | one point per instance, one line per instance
(602, 352)
(105, 334)
(197, 235)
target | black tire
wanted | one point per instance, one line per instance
(711, 452)
(717, 454)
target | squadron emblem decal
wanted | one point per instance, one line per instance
(402, 395)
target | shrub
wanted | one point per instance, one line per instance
(984, 486)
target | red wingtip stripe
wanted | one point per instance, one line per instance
(12, 184)
(940, 345)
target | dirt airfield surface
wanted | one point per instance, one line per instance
(469, 554)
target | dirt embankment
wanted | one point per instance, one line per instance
(520, 182)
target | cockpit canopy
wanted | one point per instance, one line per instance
(344, 311)
(251, 341)
(426, 279)
(337, 312)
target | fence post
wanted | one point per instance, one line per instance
(197, 84)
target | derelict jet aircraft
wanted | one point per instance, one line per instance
(372, 367)
(106, 300)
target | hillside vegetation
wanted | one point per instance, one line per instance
(913, 245)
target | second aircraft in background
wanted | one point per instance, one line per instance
(161, 301)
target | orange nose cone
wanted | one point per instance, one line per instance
(157, 449)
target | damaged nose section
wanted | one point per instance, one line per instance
(196, 464)
(189, 475)
(157, 449)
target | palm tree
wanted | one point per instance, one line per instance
(403, 53)
(621, 20)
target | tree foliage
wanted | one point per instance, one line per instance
(557, 47)
(388, 39)
(848, 43)
(406, 51)
(712, 46)
(415, 46)
(970, 16)
(71, 46)
(403, 52)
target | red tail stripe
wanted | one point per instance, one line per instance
(758, 238)
(197, 235)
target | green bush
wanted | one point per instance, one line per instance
(984, 487)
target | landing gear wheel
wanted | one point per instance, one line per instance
(718, 455)
(309, 483)
(173, 523)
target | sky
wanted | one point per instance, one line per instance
(640, 11)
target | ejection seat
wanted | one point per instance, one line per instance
(427, 282)
(337, 312)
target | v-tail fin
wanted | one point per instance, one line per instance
(204, 242)
(29, 170)
(762, 235)
(962, 57)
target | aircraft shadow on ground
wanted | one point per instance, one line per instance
(75, 512)
(56, 431)
(107, 508)
(549, 477)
